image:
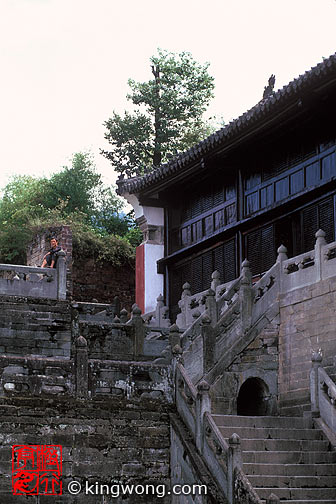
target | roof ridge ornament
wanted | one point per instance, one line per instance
(269, 90)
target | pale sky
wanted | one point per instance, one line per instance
(65, 64)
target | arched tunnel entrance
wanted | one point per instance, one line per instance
(253, 398)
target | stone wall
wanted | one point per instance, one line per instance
(109, 442)
(92, 280)
(35, 326)
(87, 280)
(258, 360)
(308, 321)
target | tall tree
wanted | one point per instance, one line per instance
(168, 118)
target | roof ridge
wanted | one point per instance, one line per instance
(243, 120)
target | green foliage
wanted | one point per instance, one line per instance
(76, 185)
(170, 120)
(75, 196)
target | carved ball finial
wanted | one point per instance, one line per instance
(136, 310)
(210, 293)
(203, 386)
(282, 249)
(206, 320)
(234, 439)
(81, 342)
(174, 328)
(272, 499)
(320, 234)
(177, 350)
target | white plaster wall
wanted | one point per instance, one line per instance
(154, 215)
(153, 280)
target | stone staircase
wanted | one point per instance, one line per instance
(284, 456)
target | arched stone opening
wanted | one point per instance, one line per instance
(253, 398)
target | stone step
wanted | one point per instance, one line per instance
(262, 421)
(271, 433)
(305, 494)
(283, 445)
(290, 469)
(292, 481)
(295, 410)
(286, 457)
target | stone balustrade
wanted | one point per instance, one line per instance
(82, 377)
(323, 394)
(28, 281)
(284, 276)
(194, 406)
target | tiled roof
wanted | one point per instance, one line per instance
(262, 110)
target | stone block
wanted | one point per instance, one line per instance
(133, 469)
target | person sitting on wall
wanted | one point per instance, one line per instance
(50, 259)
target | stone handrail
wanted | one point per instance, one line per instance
(328, 253)
(247, 306)
(98, 312)
(223, 459)
(229, 295)
(265, 292)
(28, 281)
(327, 386)
(244, 492)
(327, 399)
(323, 394)
(82, 377)
(36, 376)
(192, 332)
(302, 261)
(285, 275)
(185, 398)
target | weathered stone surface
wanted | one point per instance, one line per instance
(308, 319)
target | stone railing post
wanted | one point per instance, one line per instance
(245, 296)
(282, 256)
(320, 241)
(81, 368)
(139, 330)
(215, 281)
(203, 405)
(174, 336)
(314, 384)
(123, 316)
(209, 343)
(234, 462)
(61, 275)
(182, 319)
(161, 312)
(211, 306)
(272, 499)
(177, 357)
(114, 308)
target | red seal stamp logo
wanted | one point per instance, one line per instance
(37, 469)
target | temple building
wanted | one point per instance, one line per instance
(265, 179)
